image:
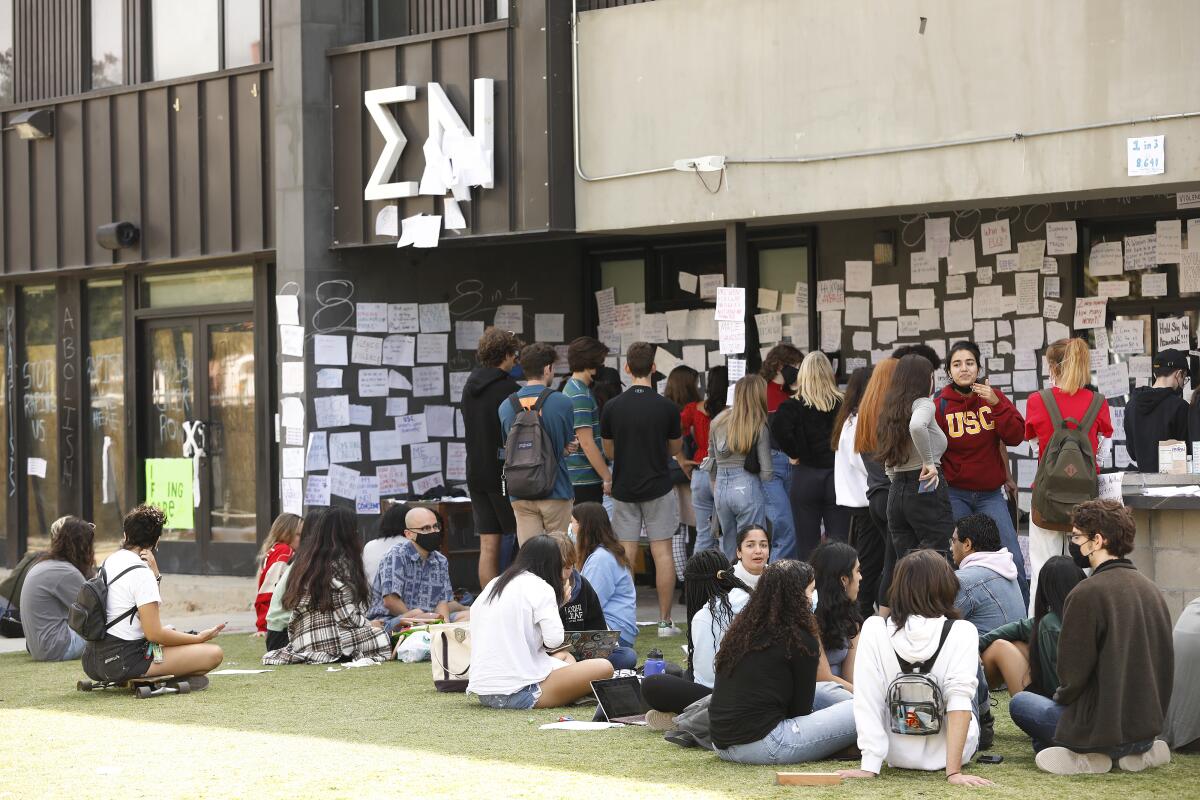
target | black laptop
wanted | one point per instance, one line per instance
(621, 700)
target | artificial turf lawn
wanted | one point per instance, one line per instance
(383, 731)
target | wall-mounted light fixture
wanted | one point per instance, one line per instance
(37, 124)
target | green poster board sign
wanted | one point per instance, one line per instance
(169, 486)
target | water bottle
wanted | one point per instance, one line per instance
(655, 665)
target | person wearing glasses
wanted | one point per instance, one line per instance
(413, 581)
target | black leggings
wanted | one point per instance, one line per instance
(878, 510)
(868, 541)
(672, 694)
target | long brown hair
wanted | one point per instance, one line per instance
(871, 405)
(330, 548)
(923, 585)
(681, 386)
(73, 540)
(595, 532)
(778, 613)
(911, 381)
(855, 388)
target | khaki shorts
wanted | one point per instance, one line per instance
(659, 517)
(535, 517)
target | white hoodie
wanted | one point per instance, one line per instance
(875, 665)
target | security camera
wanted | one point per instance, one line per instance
(116, 235)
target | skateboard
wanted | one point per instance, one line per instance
(141, 688)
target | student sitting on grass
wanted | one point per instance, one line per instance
(763, 708)
(1023, 655)
(413, 581)
(753, 552)
(279, 618)
(837, 577)
(514, 622)
(1182, 728)
(391, 533)
(50, 588)
(714, 595)
(601, 559)
(327, 591)
(276, 552)
(921, 601)
(132, 611)
(988, 592)
(583, 611)
(1115, 659)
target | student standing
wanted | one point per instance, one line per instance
(1070, 370)
(803, 427)
(878, 557)
(1157, 413)
(486, 388)
(740, 458)
(641, 432)
(910, 447)
(779, 369)
(851, 481)
(1115, 659)
(694, 421)
(50, 588)
(980, 424)
(590, 475)
(682, 389)
(536, 516)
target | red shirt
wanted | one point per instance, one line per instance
(974, 430)
(272, 568)
(1037, 420)
(776, 394)
(693, 420)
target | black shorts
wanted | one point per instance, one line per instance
(592, 493)
(116, 660)
(493, 513)
(276, 640)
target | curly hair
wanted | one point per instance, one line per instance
(778, 613)
(777, 357)
(837, 615)
(1109, 518)
(73, 540)
(496, 345)
(143, 526)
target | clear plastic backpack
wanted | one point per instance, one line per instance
(914, 698)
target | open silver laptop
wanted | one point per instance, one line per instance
(621, 700)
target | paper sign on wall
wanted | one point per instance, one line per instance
(1090, 312)
(1174, 333)
(1146, 155)
(731, 304)
(1061, 238)
(169, 487)
(995, 237)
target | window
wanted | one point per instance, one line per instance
(184, 38)
(6, 51)
(203, 288)
(38, 376)
(108, 43)
(627, 277)
(243, 34)
(106, 410)
(781, 269)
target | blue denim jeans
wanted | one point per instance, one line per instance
(740, 501)
(623, 658)
(994, 505)
(702, 502)
(521, 699)
(779, 508)
(813, 737)
(1038, 716)
(75, 650)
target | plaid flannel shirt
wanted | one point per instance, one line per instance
(324, 637)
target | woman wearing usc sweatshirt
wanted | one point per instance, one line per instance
(979, 422)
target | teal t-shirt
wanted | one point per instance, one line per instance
(585, 415)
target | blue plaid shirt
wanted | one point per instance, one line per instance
(420, 584)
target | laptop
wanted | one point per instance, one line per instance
(621, 700)
(589, 644)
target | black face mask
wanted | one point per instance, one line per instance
(789, 374)
(429, 541)
(1078, 557)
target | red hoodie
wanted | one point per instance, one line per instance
(268, 576)
(974, 431)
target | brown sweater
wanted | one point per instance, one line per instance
(1115, 660)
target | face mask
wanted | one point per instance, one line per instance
(517, 373)
(1078, 557)
(571, 531)
(789, 374)
(429, 541)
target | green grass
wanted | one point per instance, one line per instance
(384, 732)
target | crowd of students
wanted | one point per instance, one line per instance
(844, 542)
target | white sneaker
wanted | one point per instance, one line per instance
(1158, 755)
(1062, 761)
(667, 629)
(660, 720)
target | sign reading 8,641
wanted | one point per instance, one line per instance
(1147, 155)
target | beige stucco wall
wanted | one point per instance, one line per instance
(673, 79)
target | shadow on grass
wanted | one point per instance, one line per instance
(396, 705)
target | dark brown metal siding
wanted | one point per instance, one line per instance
(188, 161)
(48, 43)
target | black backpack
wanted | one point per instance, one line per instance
(87, 614)
(530, 458)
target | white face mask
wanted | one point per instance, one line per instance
(571, 531)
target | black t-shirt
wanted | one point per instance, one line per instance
(640, 423)
(764, 688)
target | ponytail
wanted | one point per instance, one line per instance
(1070, 365)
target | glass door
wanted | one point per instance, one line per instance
(198, 440)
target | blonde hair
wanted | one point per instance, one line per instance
(816, 386)
(285, 528)
(1070, 365)
(744, 420)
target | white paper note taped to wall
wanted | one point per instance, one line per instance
(1061, 238)
(287, 309)
(329, 350)
(291, 340)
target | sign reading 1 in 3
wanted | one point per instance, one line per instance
(169, 486)
(1147, 155)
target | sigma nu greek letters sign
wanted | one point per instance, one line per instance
(456, 157)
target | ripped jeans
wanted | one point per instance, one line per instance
(740, 501)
